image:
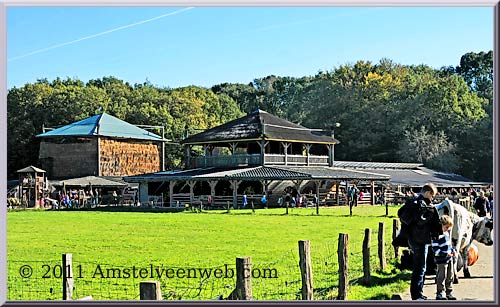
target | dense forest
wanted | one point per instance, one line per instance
(387, 112)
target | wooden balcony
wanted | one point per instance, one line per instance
(256, 159)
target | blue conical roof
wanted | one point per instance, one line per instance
(102, 125)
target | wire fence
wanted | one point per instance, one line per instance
(277, 280)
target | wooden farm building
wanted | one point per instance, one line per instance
(258, 152)
(101, 145)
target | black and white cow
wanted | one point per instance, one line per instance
(467, 226)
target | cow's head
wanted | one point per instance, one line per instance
(482, 231)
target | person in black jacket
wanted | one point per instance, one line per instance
(481, 204)
(419, 224)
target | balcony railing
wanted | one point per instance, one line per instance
(255, 159)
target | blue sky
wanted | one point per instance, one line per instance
(204, 46)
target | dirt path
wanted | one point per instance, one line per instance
(479, 287)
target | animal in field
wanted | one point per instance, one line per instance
(467, 227)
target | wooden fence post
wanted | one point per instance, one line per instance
(381, 246)
(243, 278)
(343, 265)
(287, 203)
(366, 257)
(67, 274)
(150, 290)
(395, 230)
(306, 269)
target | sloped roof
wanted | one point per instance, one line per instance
(258, 173)
(411, 174)
(95, 181)
(221, 173)
(250, 126)
(326, 172)
(376, 165)
(102, 125)
(31, 169)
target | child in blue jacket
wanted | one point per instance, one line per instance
(443, 253)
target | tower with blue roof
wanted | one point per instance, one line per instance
(101, 145)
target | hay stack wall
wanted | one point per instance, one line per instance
(129, 157)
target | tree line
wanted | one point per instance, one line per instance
(387, 112)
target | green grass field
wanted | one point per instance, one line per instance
(195, 240)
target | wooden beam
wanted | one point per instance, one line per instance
(191, 191)
(330, 154)
(337, 192)
(372, 193)
(234, 186)
(285, 146)
(308, 148)
(212, 184)
(171, 185)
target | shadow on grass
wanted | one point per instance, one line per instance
(383, 279)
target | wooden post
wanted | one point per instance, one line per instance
(372, 193)
(243, 278)
(386, 209)
(234, 186)
(395, 230)
(343, 266)
(306, 269)
(171, 185)
(337, 193)
(150, 290)
(67, 272)
(191, 192)
(381, 246)
(287, 203)
(366, 257)
(228, 207)
(253, 208)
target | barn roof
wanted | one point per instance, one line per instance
(102, 125)
(411, 174)
(250, 126)
(258, 173)
(325, 172)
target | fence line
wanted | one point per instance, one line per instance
(277, 280)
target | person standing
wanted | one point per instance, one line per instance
(419, 224)
(443, 254)
(481, 204)
(245, 200)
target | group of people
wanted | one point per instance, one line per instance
(422, 226)
(290, 196)
(354, 195)
(73, 198)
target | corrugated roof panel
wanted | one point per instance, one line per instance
(325, 172)
(376, 165)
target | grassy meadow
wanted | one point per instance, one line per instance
(212, 239)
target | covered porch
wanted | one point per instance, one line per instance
(224, 187)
